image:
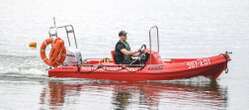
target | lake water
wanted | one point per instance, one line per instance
(188, 28)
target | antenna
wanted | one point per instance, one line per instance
(53, 29)
(54, 22)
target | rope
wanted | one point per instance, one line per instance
(226, 68)
(104, 67)
(226, 55)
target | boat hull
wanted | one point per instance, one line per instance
(210, 67)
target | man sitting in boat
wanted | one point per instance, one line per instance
(123, 53)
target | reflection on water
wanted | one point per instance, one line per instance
(143, 95)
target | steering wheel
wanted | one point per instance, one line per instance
(142, 49)
(141, 53)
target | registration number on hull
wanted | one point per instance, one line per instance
(198, 63)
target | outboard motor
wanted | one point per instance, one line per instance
(73, 57)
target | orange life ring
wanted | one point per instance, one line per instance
(57, 53)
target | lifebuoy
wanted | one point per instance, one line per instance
(57, 53)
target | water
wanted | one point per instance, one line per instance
(188, 28)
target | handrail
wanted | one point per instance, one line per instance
(68, 28)
(158, 49)
(157, 33)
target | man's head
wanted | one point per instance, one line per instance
(122, 35)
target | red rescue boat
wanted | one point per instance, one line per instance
(155, 68)
(210, 67)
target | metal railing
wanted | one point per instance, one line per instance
(157, 34)
(69, 30)
(150, 38)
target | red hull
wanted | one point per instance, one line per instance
(210, 67)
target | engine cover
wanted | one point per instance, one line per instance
(73, 57)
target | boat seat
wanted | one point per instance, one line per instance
(113, 56)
